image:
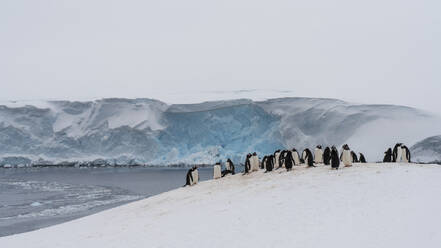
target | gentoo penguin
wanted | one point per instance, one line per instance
(195, 175)
(276, 159)
(397, 153)
(318, 155)
(405, 154)
(388, 156)
(189, 177)
(309, 160)
(335, 160)
(262, 163)
(362, 158)
(247, 164)
(295, 156)
(303, 155)
(288, 160)
(285, 154)
(217, 171)
(282, 159)
(269, 165)
(354, 157)
(346, 156)
(327, 156)
(229, 168)
(254, 162)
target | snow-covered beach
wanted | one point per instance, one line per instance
(367, 205)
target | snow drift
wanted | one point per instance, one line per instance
(146, 131)
(427, 150)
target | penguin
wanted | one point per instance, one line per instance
(247, 164)
(189, 177)
(327, 156)
(254, 162)
(262, 163)
(303, 155)
(217, 171)
(354, 157)
(388, 156)
(309, 160)
(335, 160)
(295, 156)
(346, 156)
(405, 155)
(288, 161)
(318, 155)
(397, 153)
(251, 167)
(362, 158)
(282, 159)
(229, 168)
(276, 159)
(269, 163)
(195, 175)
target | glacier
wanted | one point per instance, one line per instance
(118, 131)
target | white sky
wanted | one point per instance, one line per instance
(378, 51)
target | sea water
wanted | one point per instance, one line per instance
(33, 198)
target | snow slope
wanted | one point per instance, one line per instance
(125, 131)
(370, 205)
(427, 150)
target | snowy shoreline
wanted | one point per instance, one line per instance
(367, 205)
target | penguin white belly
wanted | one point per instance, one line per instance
(404, 156)
(295, 155)
(347, 158)
(195, 175)
(256, 164)
(228, 166)
(276, 164)
(252, 161)
(217, 172)
(399, 154)
(318, 156)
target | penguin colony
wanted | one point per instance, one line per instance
(288, 158)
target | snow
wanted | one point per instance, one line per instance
(137, 113)
(367, 205)
(427, 150)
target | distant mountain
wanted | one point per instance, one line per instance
(427, 150)
(121, 131)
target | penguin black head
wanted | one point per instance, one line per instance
(254, 154)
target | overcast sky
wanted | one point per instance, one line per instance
(378, 51)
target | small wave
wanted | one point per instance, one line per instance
(73, 209)
(39, 185)
(64, 199)
(36, 204)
